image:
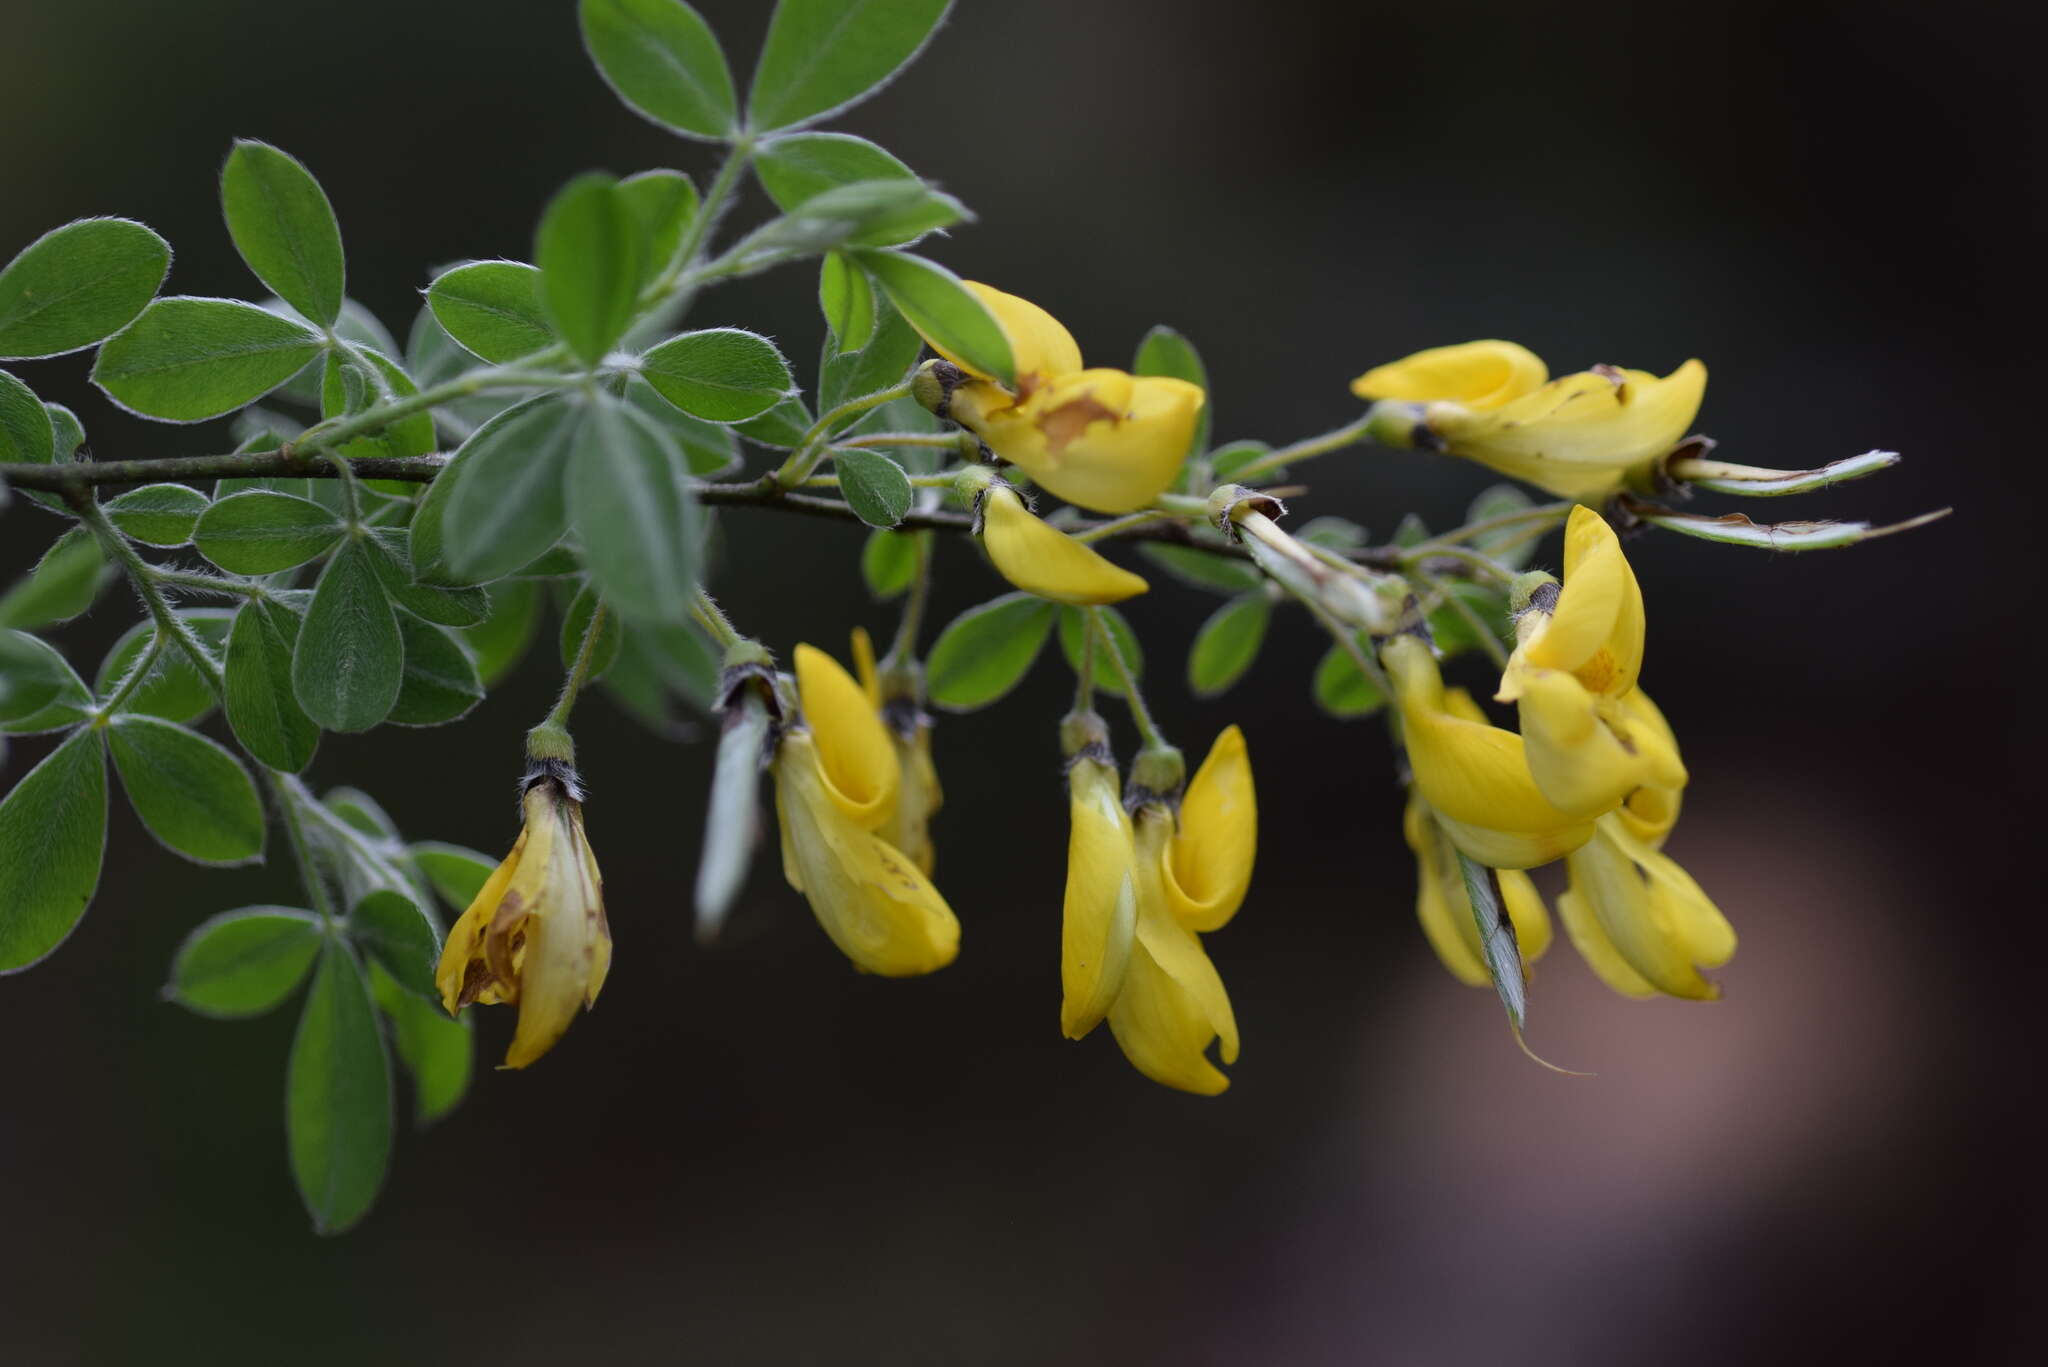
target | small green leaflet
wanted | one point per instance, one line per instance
(663, 61)
(338, 1095)
(284, 228)
(193, 795)
(823, 55)
(78, 284)
(53, 832)
(1227, 644)
(984, 652)
(187, 359)
(244, 963)
(874, 486)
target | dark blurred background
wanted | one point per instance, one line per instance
(754, 1155)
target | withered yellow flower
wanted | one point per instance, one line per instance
(837, 783)
(918, 795)
(1636, 917)
(1101, 438)
(536, 935)
(1042, 560)
(1582, 436)
(1445, 909)
(1474, 775)
(1578, 655)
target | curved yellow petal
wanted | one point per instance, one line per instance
(1208, 864)
(1526, 911)
(464, 944)
(870, 898)
(854, 750)
(864, 667)
(1705, 934)
(918, 798)
(1102, 439)
(1498, 849)
(1039, 345)
(1640, 927)
(1581, 435)
(1596, 949)
(560, 969)
(1596, 582)
(1100, 913)
(1042, 560)
(1479, 375)
(1578, 762)
(1173, 1002)
(1446, 921)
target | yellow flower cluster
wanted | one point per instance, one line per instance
(1580, 436)
(1594, 778)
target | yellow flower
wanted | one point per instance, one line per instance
(1445, 910)
(1580, 436)
(1578, 655)
(1103, 439)
(1136, 894)
(1478, 375)
(1636, 917)
(1100, 915)
(1475, 776)
(837, 783)
(536, 935)
(918, 795)
(1047, 562)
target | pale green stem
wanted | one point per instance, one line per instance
(1545, 514)
(904, 648)
(716, 197)
(1489, 636)
(133, 679)
(1486, 565)
(487, 380)
(579, 672)
(939, 481)
(1118, 526)
(708, 615)
(813, 448)
(931, 439)
(1084, 673)
(1141, 715)
(1349, 435)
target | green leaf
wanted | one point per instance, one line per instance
(938, 305)
(69, 433)
(436, 1050)
(504, 503)
(795, 168)
(77, 284)
(399, 935)
(890, 352)
(412, 435)
(448, 607)
(63, 584)
(874, 486)
(867, 213)
(174, 689)
(186, 359)
(53, 832)
(823, 55)
(1455, 634)
(576, 621)
(1333, 534)
(440, 682)
(1227, 460)
(1410, 531)
(361, 811)
(681, 656)
(984, 652)
(847, 299)
(349, 662)
(27, 434)
(720, 374)
(457, 874)
(663, 203)
(263, 711)
(639, 528)
(501, 639)
(260, 532)
(284, 228)
(1074, 628)
(1227, 644)
(158, 514)
(709, 449)
(783, 426)
(28, 704)
(889, 562)
(662, 60)
(190, 792)
(1166, 352)
(1225, 574)
(32, 675)
(1503, 500)
(590, 250)
(1341, 690)
(244, 963)
(491, 309)
(338, 1096)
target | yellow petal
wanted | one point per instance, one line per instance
(1640, 927)
(1100, 913)
(917, 799)
(1049, 563)
(1446, 922)
(1504, 850)
(1479, 375)
(1582, 435)
(1525, 909)
(1039, 345)
(1596, 949)
(465, 940)
(1596, 581)
(1208, 865)
(1705, 934)
(869, 897)
(560, 969)
(1469, 772)
(1102, 439)
(1577, 760)
(853, 746)
(864, 667)
(1173, 1001)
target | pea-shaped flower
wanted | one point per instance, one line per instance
(1582, 436)
(918, 796)
(535, 936)
(1101, 438)
(1578, 655)
(1046, 561)
(838, 783)
(1474, 775)
(1445, 909)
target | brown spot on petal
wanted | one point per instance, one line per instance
(476, 978)
(1063, 424)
